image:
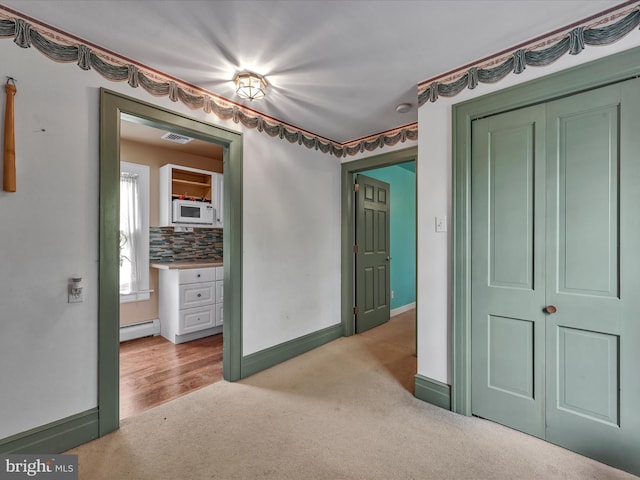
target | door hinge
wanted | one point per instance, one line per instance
(356, 187)
(356, 249)
(356, 311)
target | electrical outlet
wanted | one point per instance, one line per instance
(75, 289)
(76, 297)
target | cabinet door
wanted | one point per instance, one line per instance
(218, 178)
(197, 294)
(194, 319)
(219, 273)
(191, 183)
(219, 292)
(219, 314)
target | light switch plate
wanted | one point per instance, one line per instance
(441, 224)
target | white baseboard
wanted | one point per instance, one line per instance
(402, 309)
(139, 330)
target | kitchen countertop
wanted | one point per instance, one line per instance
(184, 264)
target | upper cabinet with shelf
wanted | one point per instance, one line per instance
(185, 183)
(196, 186)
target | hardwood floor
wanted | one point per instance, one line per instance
(154, 371)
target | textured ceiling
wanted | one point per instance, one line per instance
(336, 68)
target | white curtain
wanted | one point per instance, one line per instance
(130, 233)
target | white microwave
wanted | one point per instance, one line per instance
(189, 211)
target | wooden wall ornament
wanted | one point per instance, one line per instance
(9, 157)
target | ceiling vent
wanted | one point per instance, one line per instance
(174, 137)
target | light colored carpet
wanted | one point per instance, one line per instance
(342, 411)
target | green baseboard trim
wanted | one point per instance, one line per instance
(272, 356)
(432, 391)
(55, 437)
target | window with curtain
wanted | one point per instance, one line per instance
(134, 232)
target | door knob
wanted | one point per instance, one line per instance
(550, 309)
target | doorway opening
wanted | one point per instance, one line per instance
(114, 107)
(154, 369)
(401, 178)
(395, 169)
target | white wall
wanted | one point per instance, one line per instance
(434, 199)
(49, 348)
(291, 225)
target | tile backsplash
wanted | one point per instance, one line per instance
(166, 245)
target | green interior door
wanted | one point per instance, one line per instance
(507, 284)
(593, 264)
(556, 262)
(372, 257)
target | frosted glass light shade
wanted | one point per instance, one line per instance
(250, 85)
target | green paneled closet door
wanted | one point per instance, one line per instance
(556, 269)
(508, 284)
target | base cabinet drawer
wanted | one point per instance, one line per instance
(197, 294)
(196, 275)
(194, 319)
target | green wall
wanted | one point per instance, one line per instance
(402, 179)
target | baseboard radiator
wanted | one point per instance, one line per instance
(139, 330)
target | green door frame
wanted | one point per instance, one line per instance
(612, 69)
(349, 171)
(112, 104)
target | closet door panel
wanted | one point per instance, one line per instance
(593, 238)
(507, 324)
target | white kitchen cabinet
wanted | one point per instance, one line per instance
(219, 295)
(191, 184)
(220, 313)
(190, 303)
(219, 223)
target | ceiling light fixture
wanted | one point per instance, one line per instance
(250, 85)
(404, 107)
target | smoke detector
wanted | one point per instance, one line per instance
(174, 137)
(404, 107)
